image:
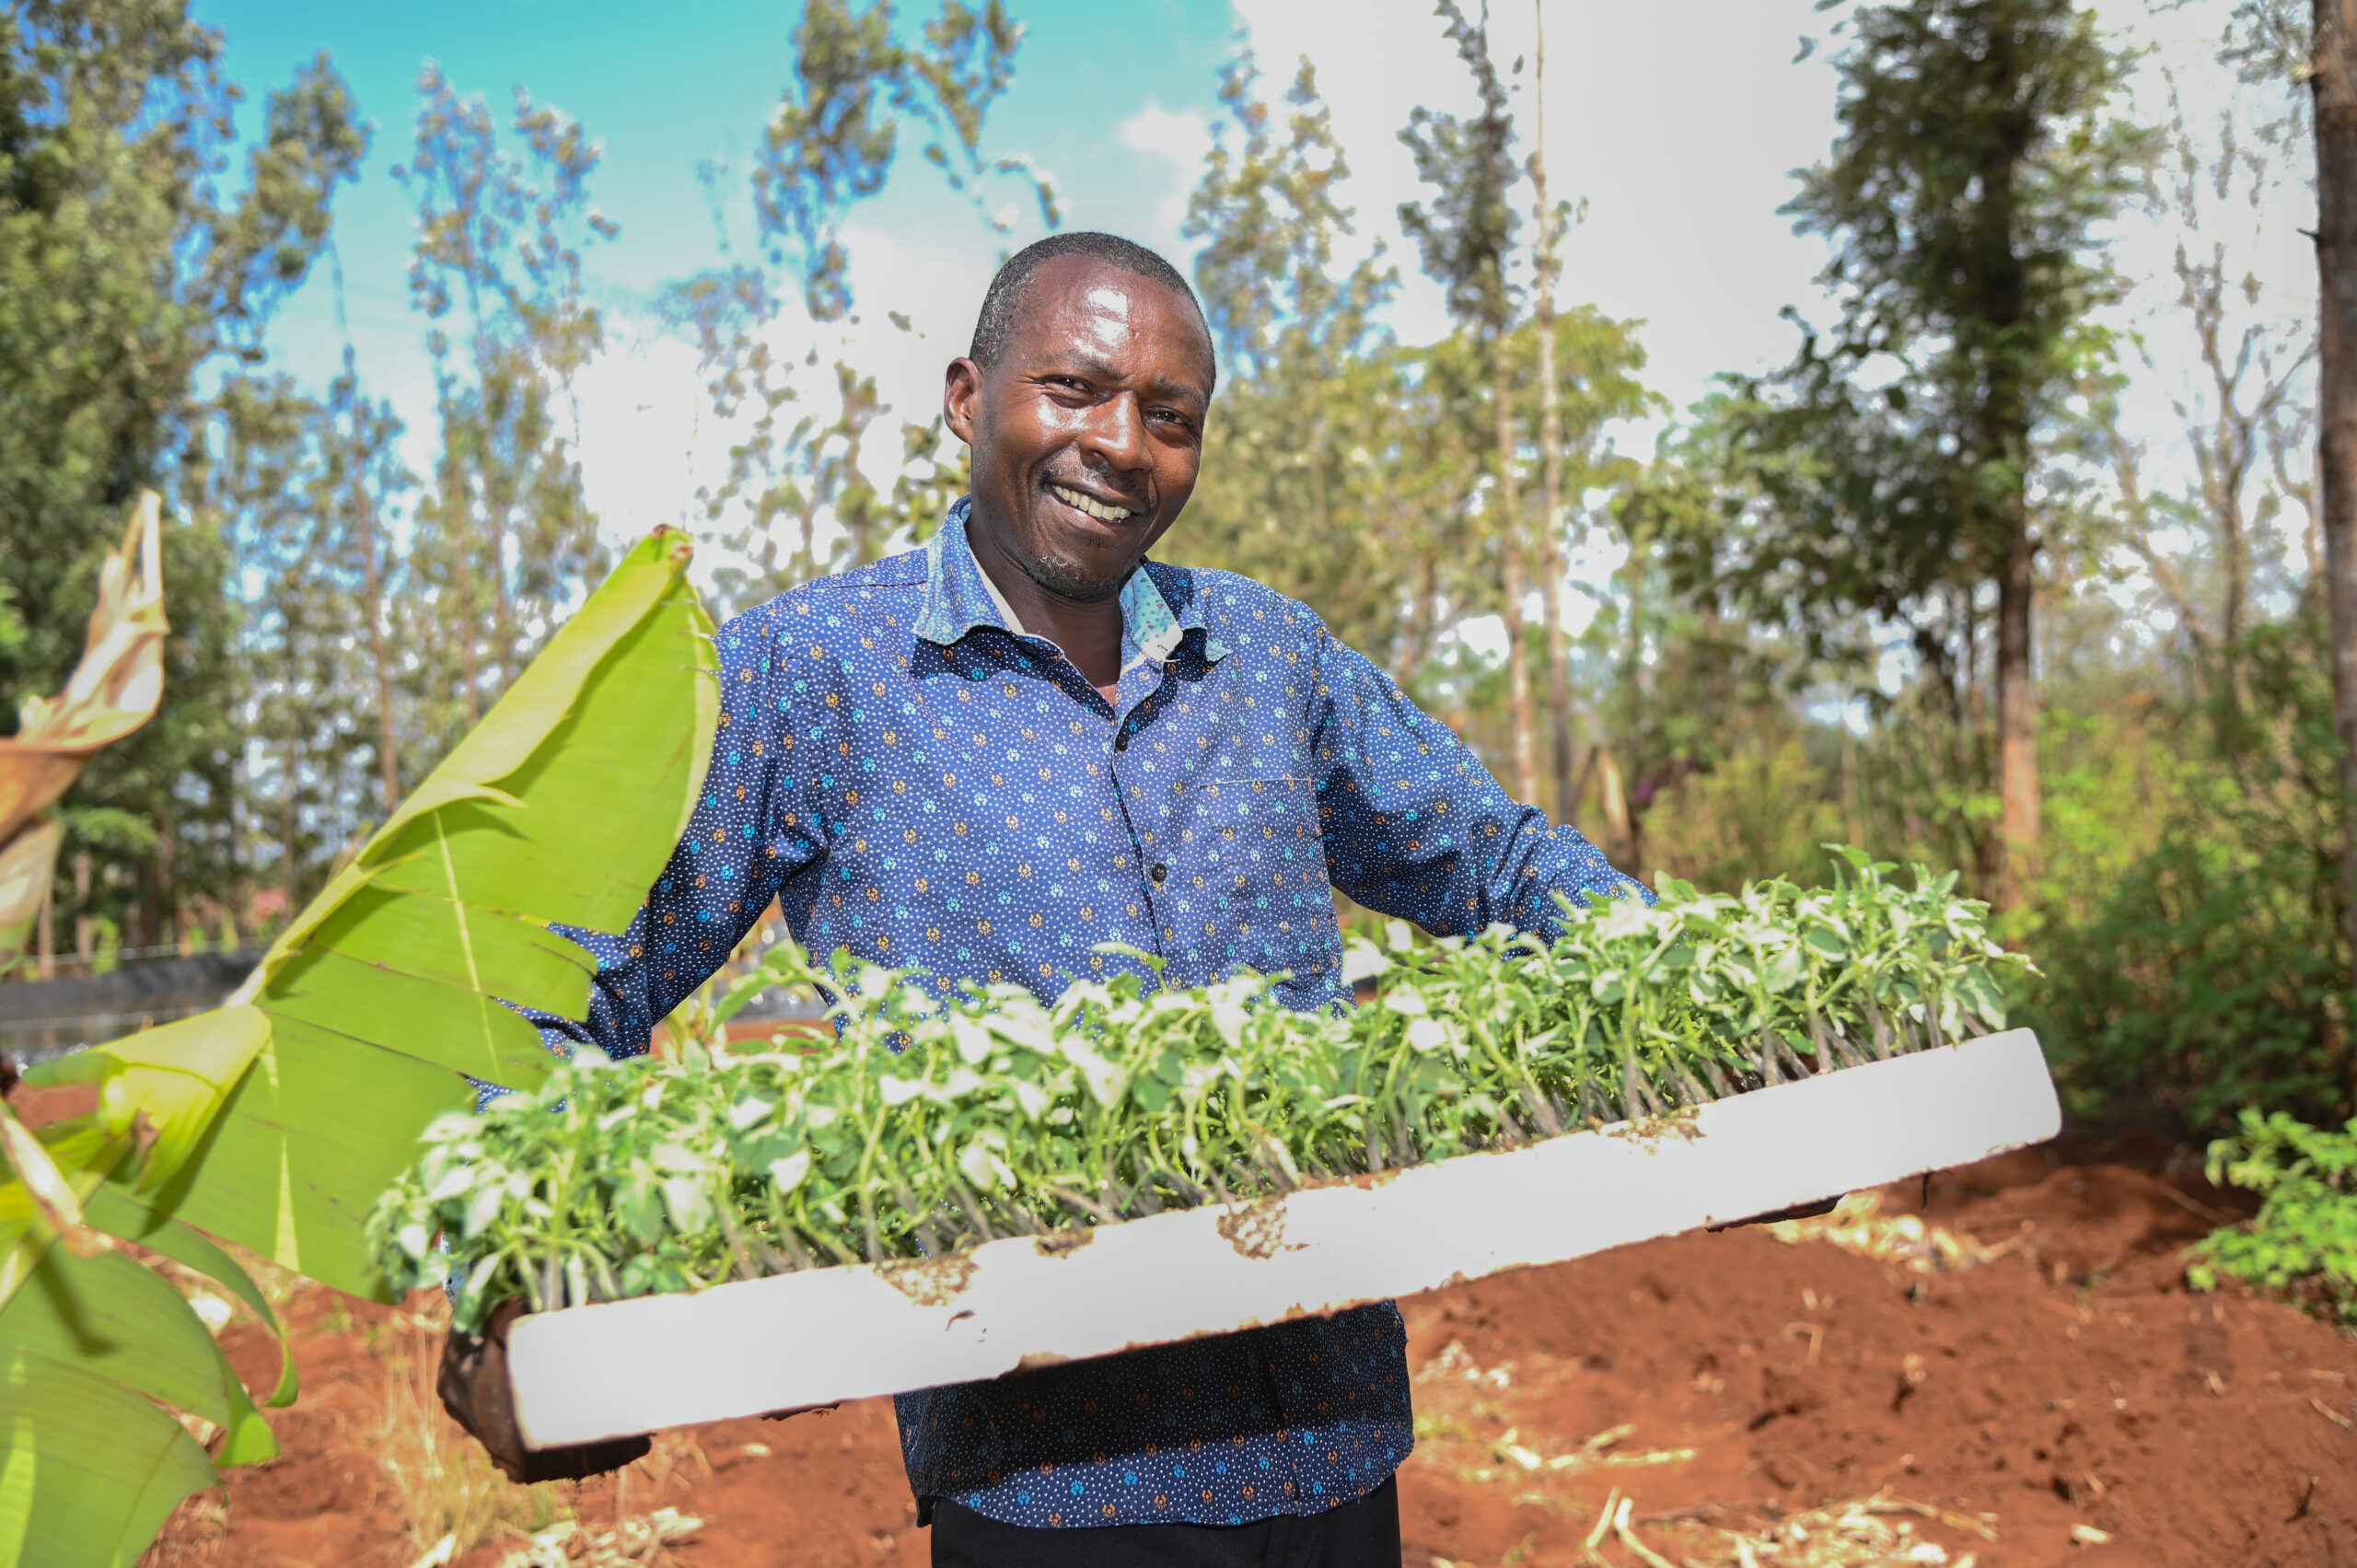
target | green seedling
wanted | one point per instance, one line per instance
(937, 1119)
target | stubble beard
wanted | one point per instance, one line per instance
(1069, 580)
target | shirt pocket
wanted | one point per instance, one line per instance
(1266, 902)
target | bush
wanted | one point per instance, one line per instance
(2190, 926)
(2303, 1243)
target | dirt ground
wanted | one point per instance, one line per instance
(2062, 1400)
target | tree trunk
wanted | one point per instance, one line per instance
(1526, 762)
(1551, 457)
(2335, 81)
(2019, 814)
(387, 759)
(454, 517)
(1997, 287)
(289, 768)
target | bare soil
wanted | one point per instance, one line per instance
(1726, 1383)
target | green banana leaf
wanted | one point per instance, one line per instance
(90, 1468)
(90, 1464)
(275, 1121)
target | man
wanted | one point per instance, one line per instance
(987, 756)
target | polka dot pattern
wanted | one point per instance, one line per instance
(914, 781)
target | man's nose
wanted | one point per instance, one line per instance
(1116, 433)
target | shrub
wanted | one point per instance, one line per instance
(2303, 1243)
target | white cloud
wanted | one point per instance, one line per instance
(1184, 139)
(1677, 123)
(1680, 123)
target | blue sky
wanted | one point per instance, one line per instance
(1678, 121)
(663, 87)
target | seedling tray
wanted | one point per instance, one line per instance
(822, 1335)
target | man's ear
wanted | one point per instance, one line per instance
(961, 392)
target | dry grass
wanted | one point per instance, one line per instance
(1872, 1532)
(1857, 1225)
(446, 1489)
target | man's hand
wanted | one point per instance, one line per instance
(475, 1390)
(1798, 1212)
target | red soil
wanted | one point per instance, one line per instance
(2075, 1382)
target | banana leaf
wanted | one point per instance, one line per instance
(114, 690)
(275, 1121)
(90, 1463)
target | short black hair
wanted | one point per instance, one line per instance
(1005, 300)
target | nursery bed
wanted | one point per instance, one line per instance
(817, 1336)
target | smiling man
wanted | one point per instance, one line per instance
(991, 756)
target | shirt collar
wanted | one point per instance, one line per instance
(959, 596)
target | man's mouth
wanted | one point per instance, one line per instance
(1103, 511)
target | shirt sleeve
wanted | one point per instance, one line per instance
(745, 839)
(1415, 825)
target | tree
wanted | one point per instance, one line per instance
(857, 85)
(505, 532)
(834, 136)
(125, 268)
(2332, 75)
(1901, 457)
(2242, 417)
(276, 1120)
(1466, 233)
(1310, 493)
(1550, 221)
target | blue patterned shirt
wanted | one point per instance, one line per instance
(914, 779)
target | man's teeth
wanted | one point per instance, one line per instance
(1101, 510)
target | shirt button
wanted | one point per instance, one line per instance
(1160, 872)
(1122, 741)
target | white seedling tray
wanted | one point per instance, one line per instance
(841, 1333)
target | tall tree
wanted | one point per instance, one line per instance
(129, 261)
(505, 532)
(367, 471)
(1560, 740)
(1466, 232)
(2312, 45)
(2332, 75)
(858, 85)
(1975, 160)
(1312, 404)
(2242, 414)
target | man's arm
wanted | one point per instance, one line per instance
(748, 836)
(1415, 825)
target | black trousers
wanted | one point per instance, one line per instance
(1363, 1534)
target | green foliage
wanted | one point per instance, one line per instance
(504, 541)
(834, 136)
(936, 1119)
(2303, 1242)
(95, 1351)
(275, 1121)
(858, 86)
(2191, 926)
(1897, 469)
(125, 268)
(1467, 230)
(388, 986)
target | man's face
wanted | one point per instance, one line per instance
(1087, 431)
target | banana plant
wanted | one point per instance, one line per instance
(275, 1121)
